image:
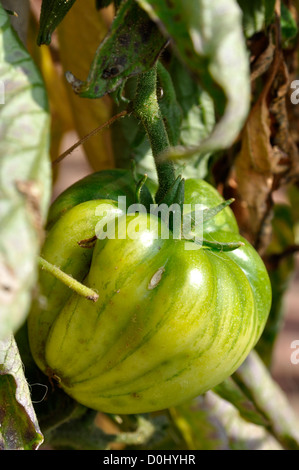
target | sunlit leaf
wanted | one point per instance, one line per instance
(52, 13)
(132, 46)
(19, 429)
(25, 176)
(208, 38)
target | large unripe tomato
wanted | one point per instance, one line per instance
(171, 321)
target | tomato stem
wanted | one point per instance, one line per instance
(72, 283)
(147, 110)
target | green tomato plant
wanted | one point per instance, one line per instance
(150, 292)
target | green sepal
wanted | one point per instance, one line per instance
(219, 246)
(169, 106)
(175, 194)
(52, 13)
(143, 195)
(118, 96)
(210, 213)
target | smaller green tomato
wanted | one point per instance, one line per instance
(105, 184)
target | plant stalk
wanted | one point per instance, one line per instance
(147, 110)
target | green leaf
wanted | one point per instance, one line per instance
(288, 24)
(269, 11)
(170, 108)
(19, 428)
(52, 13)
(25, 176)
(198, 118)
(209, 40)
(199, 428)
(175, 194)
(188, 113)
(83, 434)
(129, 139)
(253, 16)
(211, 423)
(210, 213)
(131, 47)
(80, 433)
(257, 14)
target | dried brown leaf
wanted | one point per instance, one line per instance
(268, 155)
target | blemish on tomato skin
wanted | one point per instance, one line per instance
(156, 278)
(134, 318)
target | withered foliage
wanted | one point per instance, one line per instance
(266, 159)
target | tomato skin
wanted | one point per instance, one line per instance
(61, 249)
(224, 229)
(199, 191)
(73, 217)
(170, 322)
(105, 184)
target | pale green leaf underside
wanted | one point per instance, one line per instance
(19, 429)
(25, 175)
(208, 37)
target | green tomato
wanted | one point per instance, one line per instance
(105, 184)
(173, 319)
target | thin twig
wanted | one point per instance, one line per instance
(86, 137)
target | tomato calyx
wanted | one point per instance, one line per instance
(206, 216)
(143, 195)
(175, 194)
(190, 218)
(210, 213)
(219, 246)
